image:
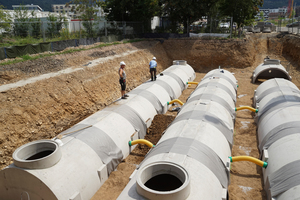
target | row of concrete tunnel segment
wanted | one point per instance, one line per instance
(191, 160)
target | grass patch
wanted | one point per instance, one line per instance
(28, 57)
(19, 41)
(132, 40)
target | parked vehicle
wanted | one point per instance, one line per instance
(194, 28)
(266, 27)
(269, 23)
(224, 25)
(294, 24)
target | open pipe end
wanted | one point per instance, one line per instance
(163, 180)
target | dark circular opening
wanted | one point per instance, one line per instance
(41, 154)
(164, 182)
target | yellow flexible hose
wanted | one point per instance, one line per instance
(195, 83)
(141, 141)
(250, 159)
(175, 100)
(247, 107)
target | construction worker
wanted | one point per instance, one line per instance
(122, 79)
(153, 65)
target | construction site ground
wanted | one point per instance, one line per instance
(41, 98)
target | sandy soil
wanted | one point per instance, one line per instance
(43, 109)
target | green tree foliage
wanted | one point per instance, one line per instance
(4, 17)
(55, 24)
(214, 18)
(243, 12)
(89, 10)
(21, 25)
(46, 4)
(36, 25)
(185, 11)
(131, 10)
(261, 14)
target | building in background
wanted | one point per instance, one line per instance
(62, 8)
(37, 11)
(272, 13)
(282, 10)
(30, 7)
(70, 10)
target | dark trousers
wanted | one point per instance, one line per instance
(123, 84)
(153, 74)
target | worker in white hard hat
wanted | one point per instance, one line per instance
(152, 66)
(122, 79)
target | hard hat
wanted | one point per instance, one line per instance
(154, 58)
(122, 63)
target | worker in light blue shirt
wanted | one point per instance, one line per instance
(153, 65)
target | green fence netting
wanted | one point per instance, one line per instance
(2, 53)
(110, 38)
(45, 46)
(61, 45)
(17, 51)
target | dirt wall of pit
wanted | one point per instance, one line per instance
(291, 48)
(204, 55)
(43, 109)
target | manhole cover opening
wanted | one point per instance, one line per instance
(164, 182)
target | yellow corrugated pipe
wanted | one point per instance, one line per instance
(250, 159)
(247, 107)
(175, 100)
(141, 141)
(195, 83)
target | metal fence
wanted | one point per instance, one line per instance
(289, 25)
(71, 29)
(275, 25)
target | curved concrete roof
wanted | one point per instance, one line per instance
(278, 131)
(270, 69)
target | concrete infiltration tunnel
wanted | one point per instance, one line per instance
(198, 152)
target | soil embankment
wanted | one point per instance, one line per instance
(81, 83)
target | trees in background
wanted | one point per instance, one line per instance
(261, 14)
(243, 12)
(185, 11)
(89, 9)
(26, 23)
(178, 12)
(55, 25)
(21, 25)
(132, 10)
(36, 25)
(5, 19)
